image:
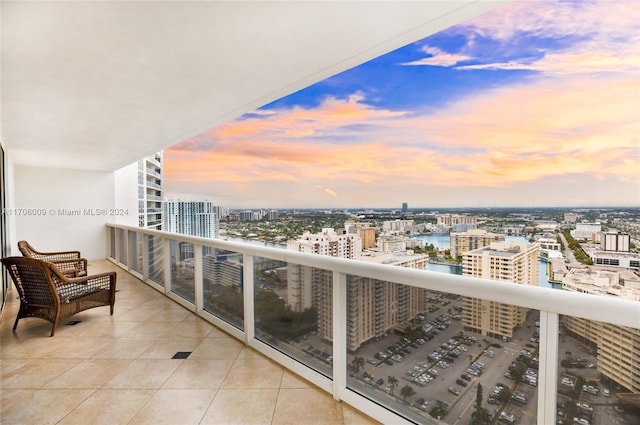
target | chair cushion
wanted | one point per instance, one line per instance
(74, 291)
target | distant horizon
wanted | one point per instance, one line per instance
(566, 208)
(529, 104)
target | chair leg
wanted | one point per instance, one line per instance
(53, 329)
(15, 324)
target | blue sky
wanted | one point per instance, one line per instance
(531, 104)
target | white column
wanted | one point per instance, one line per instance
(248, 296)
(548, 368)
(339, 334)
(197, 278)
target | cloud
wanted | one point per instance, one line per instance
(573, 37)
(328, 191)
(438, 57)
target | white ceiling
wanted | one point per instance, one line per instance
(98, 85)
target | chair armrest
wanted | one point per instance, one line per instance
(56, 256)
(72, 268)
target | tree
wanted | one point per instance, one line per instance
(407, 391)
(518, 371)
(393, 382)
(566, 363)
(357, 363)
(504, 395)
(479, 396)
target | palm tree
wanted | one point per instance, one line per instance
(407, 391)
(393, 381)
(357, 363)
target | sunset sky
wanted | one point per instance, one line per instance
(536, 103)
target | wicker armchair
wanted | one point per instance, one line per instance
(70, 263)
(45, 292)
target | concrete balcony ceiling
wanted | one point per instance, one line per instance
(98, 85)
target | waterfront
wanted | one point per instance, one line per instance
(443, 241)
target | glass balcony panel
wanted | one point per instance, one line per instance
(222, 280)
(293, 309)
(424, 354)
(122, 246)
(182, 270)
(135, 252)
(156, 259)
(598, 372)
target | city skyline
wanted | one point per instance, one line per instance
(524, 106)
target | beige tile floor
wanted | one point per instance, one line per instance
(118, 370)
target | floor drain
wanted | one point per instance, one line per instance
(181, 355)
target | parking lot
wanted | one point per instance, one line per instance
(434, 368)
(435, 383)
(595, 405)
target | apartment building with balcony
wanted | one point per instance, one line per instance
(618, 347)
(150, 194)
(513, 262)
(461, 242)
(195, 218)
(366, 233)
(458, 222)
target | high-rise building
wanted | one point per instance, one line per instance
(461, 242)
(617, 346)
(150, 192)
(616, 241)
(405, 207)
(514, 262)
(374, 307)
(456, 222)
(366, 233)
(397, 226)
(587, 231)
(195, 218)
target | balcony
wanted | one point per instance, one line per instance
(173, 265)
(119, 370)
(168, 304)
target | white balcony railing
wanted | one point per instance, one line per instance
(221, 281)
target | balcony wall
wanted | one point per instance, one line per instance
(182, 267)
(58, 209)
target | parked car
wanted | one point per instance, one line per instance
(454, 390)
(507, 417)
(584, 406)
(465, 377)
(473, 372)
(493, 400)
(461, 382)
(519, 397)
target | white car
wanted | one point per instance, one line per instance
(584, 406)
(567, 382)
